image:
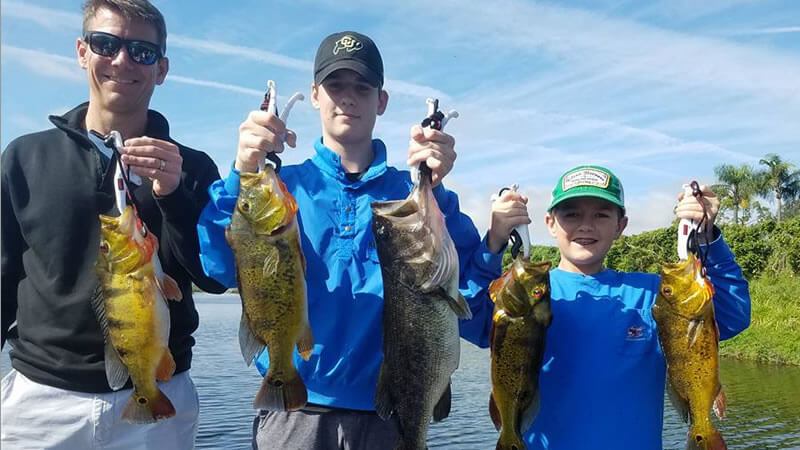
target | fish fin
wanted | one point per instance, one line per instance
(166, 284)
(681, 404)
(305, 342)
(492, 331)
(248, 343)
(494, 413)
(116, 371)
(287, 394)
(136, 412)
(299, 252)
(170, 289)
(693, 332)
(530, 413)
(458, 304)
(720, 403)
(271, 261)
(166, 367)
(442, 408)
(383, 398)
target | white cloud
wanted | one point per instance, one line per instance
(215, 85)
(57, 19)
(221, 48)
(49, 18)
(44, 64)
(772, 30)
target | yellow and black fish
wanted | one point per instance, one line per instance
(270, 269)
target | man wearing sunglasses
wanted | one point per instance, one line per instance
(54, 185)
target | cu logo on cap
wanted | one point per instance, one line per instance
(347, 43)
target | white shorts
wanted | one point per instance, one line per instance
(37, 416)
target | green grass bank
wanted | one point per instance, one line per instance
(774, 332)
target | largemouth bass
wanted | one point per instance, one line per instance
(522, 314)
(270, 270)
(134, 316)
(422, 305)
(689, 337)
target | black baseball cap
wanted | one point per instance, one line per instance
(349, 50)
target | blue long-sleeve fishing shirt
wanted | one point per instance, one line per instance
(602, 381)
(343, 276)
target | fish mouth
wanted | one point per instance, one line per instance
(395, 208)
(687, 266)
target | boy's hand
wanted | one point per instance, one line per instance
(689, 208)
(508, 211)
(158, 160)
(261, 133)
(435, 148)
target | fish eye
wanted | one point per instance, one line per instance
(537, 292)
(104, 246)
(245, 206)
(142, 400)
(667, 290)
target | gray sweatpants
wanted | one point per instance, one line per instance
(330, 430)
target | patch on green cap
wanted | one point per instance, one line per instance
(588, 181)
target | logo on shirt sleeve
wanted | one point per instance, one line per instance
(635, 333)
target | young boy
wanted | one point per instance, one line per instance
(334, 190)
(602, 381)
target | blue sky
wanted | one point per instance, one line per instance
(660, 92)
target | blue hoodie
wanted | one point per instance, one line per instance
(345, 286)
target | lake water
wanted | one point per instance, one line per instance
(763, 400)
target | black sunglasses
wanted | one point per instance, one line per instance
(106, 44)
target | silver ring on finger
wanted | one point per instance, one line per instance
(162, 166)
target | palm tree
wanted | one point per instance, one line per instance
(780, 180)
(737, 186)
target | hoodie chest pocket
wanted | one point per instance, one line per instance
(633, 332)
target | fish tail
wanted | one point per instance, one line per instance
(284, 393)
(510, 441)
(140, 409)
(710, 439)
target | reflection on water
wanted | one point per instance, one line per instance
(763, 401)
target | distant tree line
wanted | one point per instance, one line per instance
(739, 187)
(764, 243)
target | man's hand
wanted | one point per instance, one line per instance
(261, 133)
(435, 148)
(508, 211)
(155, 159)
(689, 208)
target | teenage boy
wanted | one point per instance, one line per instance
(334, 190)
(602, 381)
(55, 183)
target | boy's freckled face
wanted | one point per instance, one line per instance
(584, 229)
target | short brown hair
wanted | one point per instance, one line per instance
(132, 10)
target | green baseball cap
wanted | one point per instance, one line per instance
(588, 181)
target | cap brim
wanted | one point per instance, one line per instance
(352, 64)
(601, 195)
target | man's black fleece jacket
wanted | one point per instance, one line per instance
(53, 189)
